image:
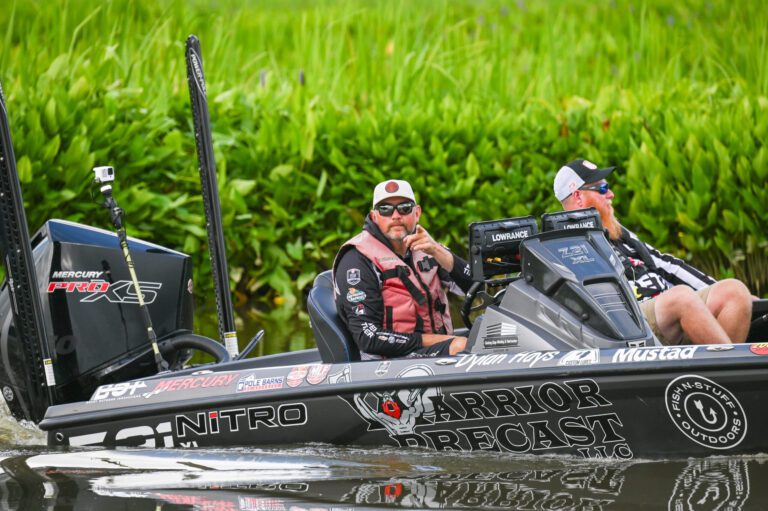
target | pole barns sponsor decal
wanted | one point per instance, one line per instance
(232, 420)
(651, 354)
(568, 417)
(706, 412)
(253, 383)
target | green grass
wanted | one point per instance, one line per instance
(476, 102)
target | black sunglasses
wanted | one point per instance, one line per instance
(404, 208)
(602, 188)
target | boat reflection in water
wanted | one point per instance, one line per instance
(319, 478)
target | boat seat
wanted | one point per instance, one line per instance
(333, 340)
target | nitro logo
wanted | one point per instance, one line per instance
(707, 413)
(509, 236)
(212, 422)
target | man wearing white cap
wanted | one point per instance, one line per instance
(682, 304)
(390, 281)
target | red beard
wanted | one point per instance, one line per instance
(609, 221)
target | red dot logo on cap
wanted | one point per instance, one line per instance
(391, 187)
(760, 348)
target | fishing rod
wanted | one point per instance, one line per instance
(104, 176)
(16, 250)
(207, 166)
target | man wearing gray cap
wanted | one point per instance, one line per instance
(390, 281)
(682, 304)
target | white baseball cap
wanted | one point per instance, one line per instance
(392, 188)
(576, 174)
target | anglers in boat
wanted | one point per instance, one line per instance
(682, 304)
(390, 281)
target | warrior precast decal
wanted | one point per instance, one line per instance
(553, 417)
(706, 412)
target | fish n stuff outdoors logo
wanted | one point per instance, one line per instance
(706, 412)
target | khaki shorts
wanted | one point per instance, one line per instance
(648, 309)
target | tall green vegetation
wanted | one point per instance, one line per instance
(476, 102)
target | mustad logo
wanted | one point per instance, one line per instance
(508, 236)
(651, 354)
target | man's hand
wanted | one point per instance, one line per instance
(421, 240)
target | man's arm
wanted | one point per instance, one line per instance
(361, 307)
(456, 268)
(678, 271)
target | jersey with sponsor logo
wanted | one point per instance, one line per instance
(651, 272)
(361, 306)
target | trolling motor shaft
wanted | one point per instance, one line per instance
(103, 176)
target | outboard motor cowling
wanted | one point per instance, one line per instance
(91, 312)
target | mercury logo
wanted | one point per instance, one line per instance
(706, 412)
(507, 236)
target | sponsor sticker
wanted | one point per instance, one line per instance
(296, 376)
(252, 383)
(212, 380)
(760, 348)
(706, 412)
(359, 309)
(652, 354)
(720, 347)
(355, 295)
(353, 276)
(383, 368)
(318, 373)
(500, 335)
(580, 358)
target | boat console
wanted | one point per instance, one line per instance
(561, 289)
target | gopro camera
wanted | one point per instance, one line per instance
(104, 174)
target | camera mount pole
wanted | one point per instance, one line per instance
(207, 166)
(116, 216)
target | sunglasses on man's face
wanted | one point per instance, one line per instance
(601, 188)
(404, 208)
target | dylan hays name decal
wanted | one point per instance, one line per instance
(706, 412)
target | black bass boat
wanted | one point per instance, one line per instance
(560, 361)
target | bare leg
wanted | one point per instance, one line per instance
(681, 310)
(730, 302)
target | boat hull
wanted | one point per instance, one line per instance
(626, 403)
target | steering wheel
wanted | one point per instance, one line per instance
(485, 299)
(177, 349)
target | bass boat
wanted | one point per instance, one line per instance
(96, 332)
